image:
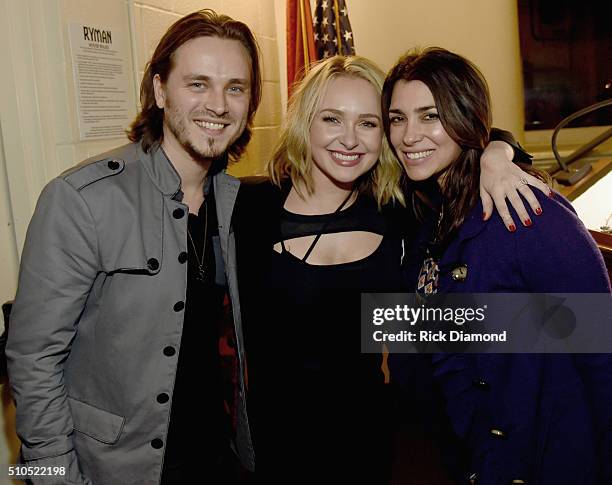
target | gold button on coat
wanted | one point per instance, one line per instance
(498, 432)
(459, 273)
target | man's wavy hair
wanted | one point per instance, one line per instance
(462, 97)
(292, 157)
(147, 128)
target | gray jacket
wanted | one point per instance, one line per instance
(94, 334)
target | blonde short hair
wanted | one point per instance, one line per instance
(292, 156)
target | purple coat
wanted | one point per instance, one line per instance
(541, 418)
(555, 255)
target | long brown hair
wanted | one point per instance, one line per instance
(147, 128)
(464, 106)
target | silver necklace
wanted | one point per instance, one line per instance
(200, 272)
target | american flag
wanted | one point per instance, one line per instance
(332, 29)
(300, 40)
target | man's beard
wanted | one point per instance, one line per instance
(176, 124)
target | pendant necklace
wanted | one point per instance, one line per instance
(200, 271)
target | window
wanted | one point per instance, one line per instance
(566, 46)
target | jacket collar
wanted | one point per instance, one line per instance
(160, 170)
(226, 191)
(473, 223)
(472, 226)
(164, 175)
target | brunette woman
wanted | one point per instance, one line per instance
(516, 418)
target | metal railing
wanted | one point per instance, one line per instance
(570, 175)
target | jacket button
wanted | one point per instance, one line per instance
(523, 482)
(113, 165)
(459, 273)
(178, 306)
(178, 213)
(153, 264)
(182, 257)
(169, 351)
(157, 443)
(163, 398)
(481, 384)
(498, 433)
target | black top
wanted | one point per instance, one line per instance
(199, 423)
(323, 300)
(318, 406)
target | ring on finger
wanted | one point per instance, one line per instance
(524, 181)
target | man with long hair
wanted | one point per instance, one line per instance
(128, 274)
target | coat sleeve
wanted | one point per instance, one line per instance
(520, 155)
(564, 258)
(557, 254)
(596, 373)
(58, 267)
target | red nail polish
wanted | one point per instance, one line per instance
(484, 216)
(538, 211)
(551, 194)
(512, 228)
(528, 222)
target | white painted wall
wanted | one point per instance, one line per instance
(8, 244)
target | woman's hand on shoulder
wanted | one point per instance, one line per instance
(501, 179)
